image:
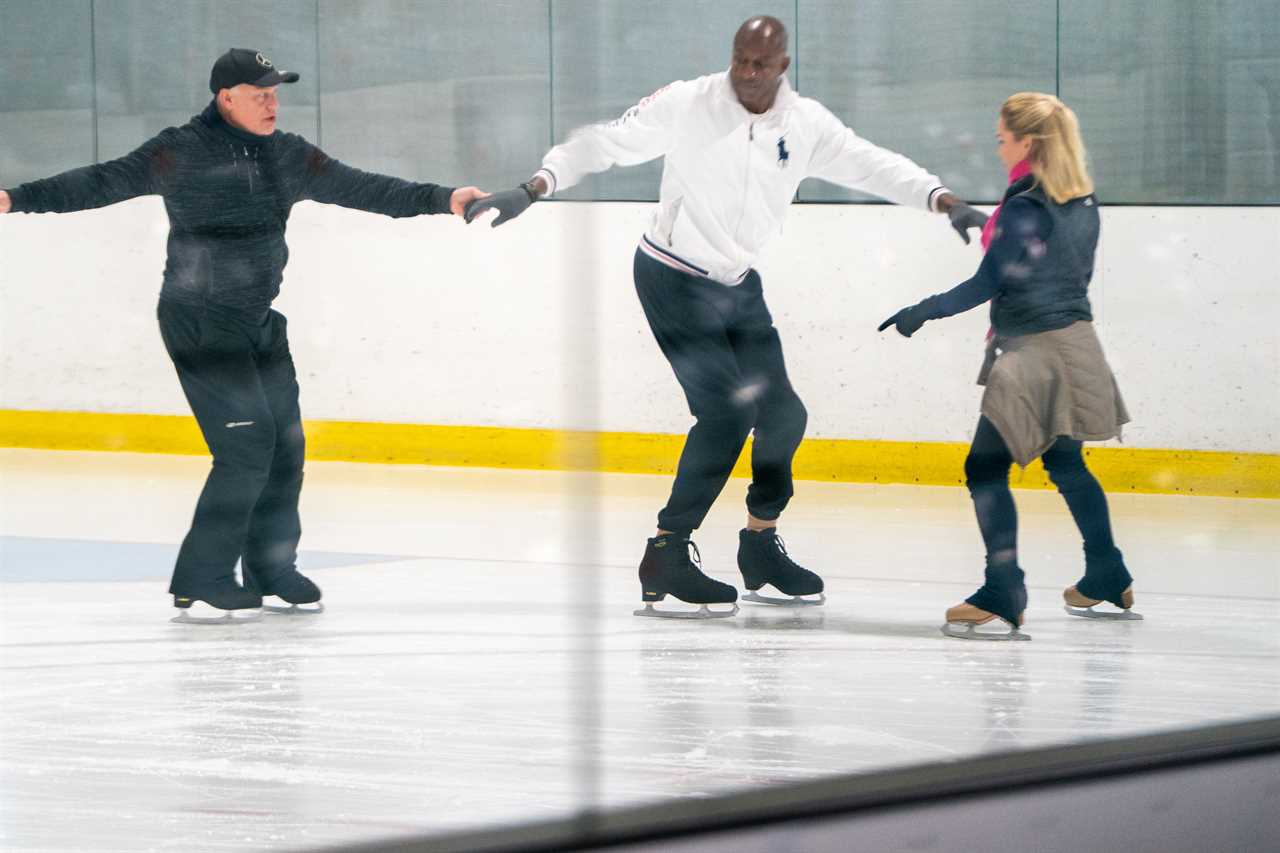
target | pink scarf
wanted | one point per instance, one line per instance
(1019, 171)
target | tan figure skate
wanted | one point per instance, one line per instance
(964, 619)
(1080, 605)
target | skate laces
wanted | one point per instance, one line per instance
(782, 552)
(696, 559)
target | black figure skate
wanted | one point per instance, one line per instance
(289, 592)
(671, 565)
(763, 559)
(220, 602)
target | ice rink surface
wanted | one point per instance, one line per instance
(441, 689)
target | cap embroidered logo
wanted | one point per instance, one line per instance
(263, 61)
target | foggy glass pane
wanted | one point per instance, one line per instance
(608, 55)
(925, 79)
(46, 89)
(1183, 106)
(449, 92)
(154, 56)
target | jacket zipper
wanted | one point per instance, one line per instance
(250, 162)
(746, 181)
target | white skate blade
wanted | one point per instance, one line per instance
(1114, 615)
(793, 601)
(703, 612)
(275, 604)
(971, 631)
(202, 613)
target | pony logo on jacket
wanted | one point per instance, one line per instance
(784, 156)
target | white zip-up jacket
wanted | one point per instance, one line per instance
(730, 174)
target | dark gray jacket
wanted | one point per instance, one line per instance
(228, 195)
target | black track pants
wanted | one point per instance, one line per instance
(726, 355)
(238, 376)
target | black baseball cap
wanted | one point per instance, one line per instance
(239, 65)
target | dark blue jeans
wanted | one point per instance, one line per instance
(987, 476)
(727, 357)
(238, 376)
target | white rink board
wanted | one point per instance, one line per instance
(429, 321)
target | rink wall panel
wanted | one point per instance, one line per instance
(428, 321)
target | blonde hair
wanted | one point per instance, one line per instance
(1057, 152)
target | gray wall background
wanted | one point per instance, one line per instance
(1179, 99)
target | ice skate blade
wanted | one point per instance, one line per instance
(310, 609)
(1113, 615)
(228, 617)
(969, 631)
(703, 612)
(793, 601)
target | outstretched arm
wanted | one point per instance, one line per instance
(844, 158)
(1019, 244)
(968, 294)
(140, 172)
(331, 181)
(645, 132)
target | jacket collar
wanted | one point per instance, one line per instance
(214, 120)
(781, 104)
(1020, 185)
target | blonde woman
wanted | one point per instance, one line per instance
(1048, 386)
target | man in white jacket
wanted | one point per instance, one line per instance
(737, 145)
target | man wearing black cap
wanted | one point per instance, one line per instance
(229, 180)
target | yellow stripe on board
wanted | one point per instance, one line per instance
(1121, 469)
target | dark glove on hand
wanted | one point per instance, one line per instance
(963, 217)
(908, 320)
(508, 203)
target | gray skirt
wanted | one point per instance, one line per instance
(1050, 384)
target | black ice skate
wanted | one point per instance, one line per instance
(289, 592)
(668, 568)
(218, 603)
(1105, 579)
(763, 559)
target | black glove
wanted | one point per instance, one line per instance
(963, 217)
(508, 203)
(908, 320)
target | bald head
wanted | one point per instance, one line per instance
(764, 30)
(759, 61)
